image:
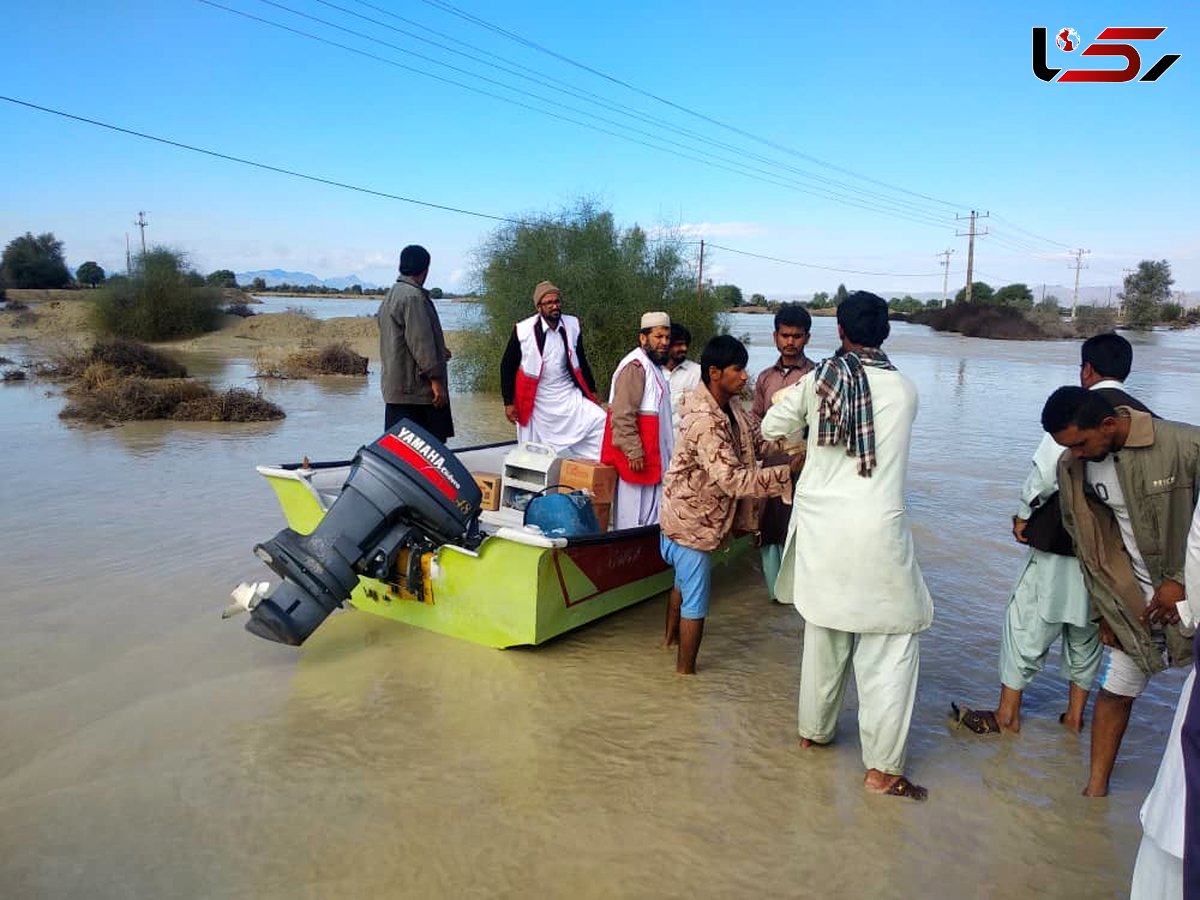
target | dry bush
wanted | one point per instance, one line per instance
(11, 375)
(332, 359)
(122, 399)
(119, 356)
(234, 405)
(104, 397)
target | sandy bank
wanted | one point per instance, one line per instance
(55, 318)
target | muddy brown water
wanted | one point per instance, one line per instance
(150, 749)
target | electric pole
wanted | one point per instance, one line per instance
(128, 260)
(700, 276)
(1078, 254)
(970, 235)
(142, 223)
(945, 264)
(1121, 307)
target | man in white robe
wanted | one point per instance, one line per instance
(1158, 873)
(639, 435)
(548, 388)
(849, 565)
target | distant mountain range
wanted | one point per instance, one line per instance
(276, 277)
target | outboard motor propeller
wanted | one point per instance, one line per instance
(404, 491)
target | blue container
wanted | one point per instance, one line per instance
(562, 515)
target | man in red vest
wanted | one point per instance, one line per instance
(548, 389)
(639, 437)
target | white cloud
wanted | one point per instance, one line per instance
(711, 229)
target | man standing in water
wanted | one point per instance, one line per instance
(548, 389)
(793, 325)
(1127, 489)
(867, 607)
(1049, 600)
(712, 467)
(413, 351)
(639, 437)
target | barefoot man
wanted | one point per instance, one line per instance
(849, 564)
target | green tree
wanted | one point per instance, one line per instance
(222, 278)
(841, 295)
(905, 304)
(34, 262)
(258, 284)
(609, 276)
(728, 294)
(1145, 291)
(820, 300)
(1016, 295)
(981, 292)
(355, 289)
(160, 300)
(89, 273)
(436, 293)
(758, 300)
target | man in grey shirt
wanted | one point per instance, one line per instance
(413, 351)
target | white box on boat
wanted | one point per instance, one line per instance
(528, 469)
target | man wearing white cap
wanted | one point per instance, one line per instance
(547, 384)
(638, 437)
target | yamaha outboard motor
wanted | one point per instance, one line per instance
(405, 491)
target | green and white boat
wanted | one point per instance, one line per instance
(516, 587)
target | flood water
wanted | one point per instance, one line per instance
(149, 749)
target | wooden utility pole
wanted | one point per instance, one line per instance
(700, 276)
(1078, 254)
(142, 223)
(970, 235)
(128, 259)
(945, 264)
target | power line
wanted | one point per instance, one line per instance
(482, 23)
(258, 165)
(916, 216)
(585, 95)
(807, 265)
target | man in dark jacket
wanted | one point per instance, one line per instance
(413, 351)
(1127, 488)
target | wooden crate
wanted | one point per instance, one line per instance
(489, 483)
(598, 479)
(603, 514)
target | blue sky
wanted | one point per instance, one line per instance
(940, 103)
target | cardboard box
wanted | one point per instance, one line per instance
(597, 478)
(603, 513)
(489, 483)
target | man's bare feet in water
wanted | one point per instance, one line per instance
(806, 743)
(893, 785)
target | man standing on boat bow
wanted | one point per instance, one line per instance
(547, 384)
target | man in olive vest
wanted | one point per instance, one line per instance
(1127, 488)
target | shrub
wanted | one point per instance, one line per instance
(609, 276)
(121, 357)
(1091, 320)
(982, 320)
(239, 308)
(159, 301)
(332, 359)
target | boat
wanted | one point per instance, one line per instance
(505, 585)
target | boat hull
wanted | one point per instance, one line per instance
(514, 590)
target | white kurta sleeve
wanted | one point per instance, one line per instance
(1189, 606)
(789, 413)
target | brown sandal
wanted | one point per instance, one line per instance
(976, 721)
(902, 787)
